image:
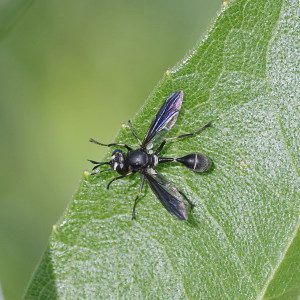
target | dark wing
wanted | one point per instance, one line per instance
(167, 194)
(165, 119)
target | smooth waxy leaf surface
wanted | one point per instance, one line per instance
(242, 240)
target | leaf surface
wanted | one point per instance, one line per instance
(242, 240)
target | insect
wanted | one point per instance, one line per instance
(145, 159)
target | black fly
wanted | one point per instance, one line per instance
(145, 159)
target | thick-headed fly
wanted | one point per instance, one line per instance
(145, 159)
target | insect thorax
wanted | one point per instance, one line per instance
(139, 159)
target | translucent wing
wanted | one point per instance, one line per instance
(164, 120)
(167, 194)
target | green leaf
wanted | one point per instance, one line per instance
(242, 240)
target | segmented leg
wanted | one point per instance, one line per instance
(117, 178)
(114, 179)
(161, 146)
(133, 132)
(110, 145)
(97, 165)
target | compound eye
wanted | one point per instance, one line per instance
(116, 151)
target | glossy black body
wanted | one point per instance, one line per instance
(145, 159)
(139, 159)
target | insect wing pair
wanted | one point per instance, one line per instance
(166, 117)
(169, 196)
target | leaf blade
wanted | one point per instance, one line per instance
(232, 247)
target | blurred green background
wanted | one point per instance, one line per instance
(70, 70)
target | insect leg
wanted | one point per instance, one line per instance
(117, 178)
(187, 199)
(192, 133)
(97, 165)
(111, 144)
(133, 132)
(138, 197)
(98, 162)
(114, 179)
(158, 150)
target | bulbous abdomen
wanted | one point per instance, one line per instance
(196, 162)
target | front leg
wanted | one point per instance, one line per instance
(116, 178)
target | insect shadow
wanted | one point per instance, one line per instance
(147, 157)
